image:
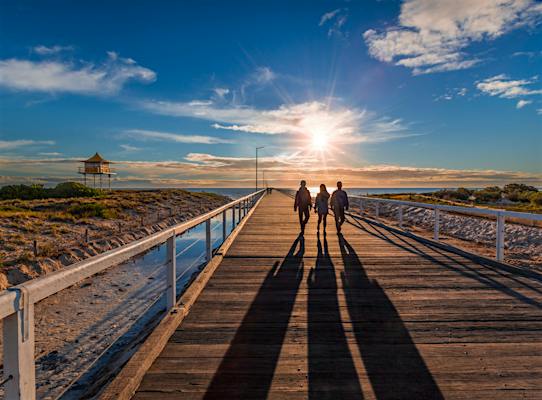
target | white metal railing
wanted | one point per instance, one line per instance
(499, 215)
(17, 303)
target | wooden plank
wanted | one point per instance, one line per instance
(374, 315)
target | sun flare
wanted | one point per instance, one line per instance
(319, 142)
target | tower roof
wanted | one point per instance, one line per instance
(96, 158)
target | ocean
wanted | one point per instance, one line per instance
(235, 193)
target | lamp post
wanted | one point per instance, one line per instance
(257, 148)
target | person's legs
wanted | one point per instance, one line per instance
(320, 220)
(342, 217)
(307, 214)
(336, 214)
(324, 217)
(300, 213)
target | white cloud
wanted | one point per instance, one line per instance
(523, 103)
(335, 20)
(129, 148)
(47, 51)
(200, 169)
(502, 86)
(16, 144)
(432, 35)
(143, 134)
(57, 76)
(452, 93)
(539, 111)
(264, 75)
(221, 92)
(50, 154)
(343, 124)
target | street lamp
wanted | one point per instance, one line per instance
(257, 148)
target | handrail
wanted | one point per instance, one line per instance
(17, 303)
(52, 283)
(460, 209)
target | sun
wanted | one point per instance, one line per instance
(319, 142)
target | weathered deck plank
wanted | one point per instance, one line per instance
(374, 315)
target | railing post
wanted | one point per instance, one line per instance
(437, 223)
(19, 351)
(500, 237)
(233, 218)
(400, 216)
(240, 210)
(171, 293)
(208, 250)
(224, 226)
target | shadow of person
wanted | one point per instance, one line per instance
(332, 374)
(248, 367)
(394, 365)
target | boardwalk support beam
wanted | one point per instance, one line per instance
(19, 350)
(208, 249)
(437, 223)
(171, 293)
(224, 234)
(500, 237)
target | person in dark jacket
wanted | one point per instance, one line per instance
(303, 204)
(321, 206)
(339, 203)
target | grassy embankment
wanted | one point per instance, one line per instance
(512, 197)
(58, 218)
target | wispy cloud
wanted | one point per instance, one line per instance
(128, 148)
(62, 76)
(503, 86)
(343, 124)
(432, 35)
(523, 103)
(16, 144)
(201, 169)
(452, 94)
(47, 51)
(335, 20)
(143, 134)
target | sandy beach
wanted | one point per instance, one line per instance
(61, 227)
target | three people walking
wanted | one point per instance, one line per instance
(338, 202)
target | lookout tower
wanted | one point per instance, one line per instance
(96, 166)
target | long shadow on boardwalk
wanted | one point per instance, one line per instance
(248, 366)
(496, 277)
(394, 365)
(332, 374)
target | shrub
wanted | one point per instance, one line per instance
(73, 189)
(489, 194)
(536, 198)
(33, 192)
(87, 210)
(23, 192)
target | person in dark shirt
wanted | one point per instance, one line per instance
(302, 205)
(321, 206)
(339, 203)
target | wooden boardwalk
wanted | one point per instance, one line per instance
(375, 315)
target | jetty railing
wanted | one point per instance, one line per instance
(371, 205)
(17, 303)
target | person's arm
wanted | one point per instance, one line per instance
(296, 201)
(332, 200)
(346, 200)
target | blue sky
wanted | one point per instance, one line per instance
(377, 93)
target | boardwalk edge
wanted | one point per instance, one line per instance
(126, 383)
